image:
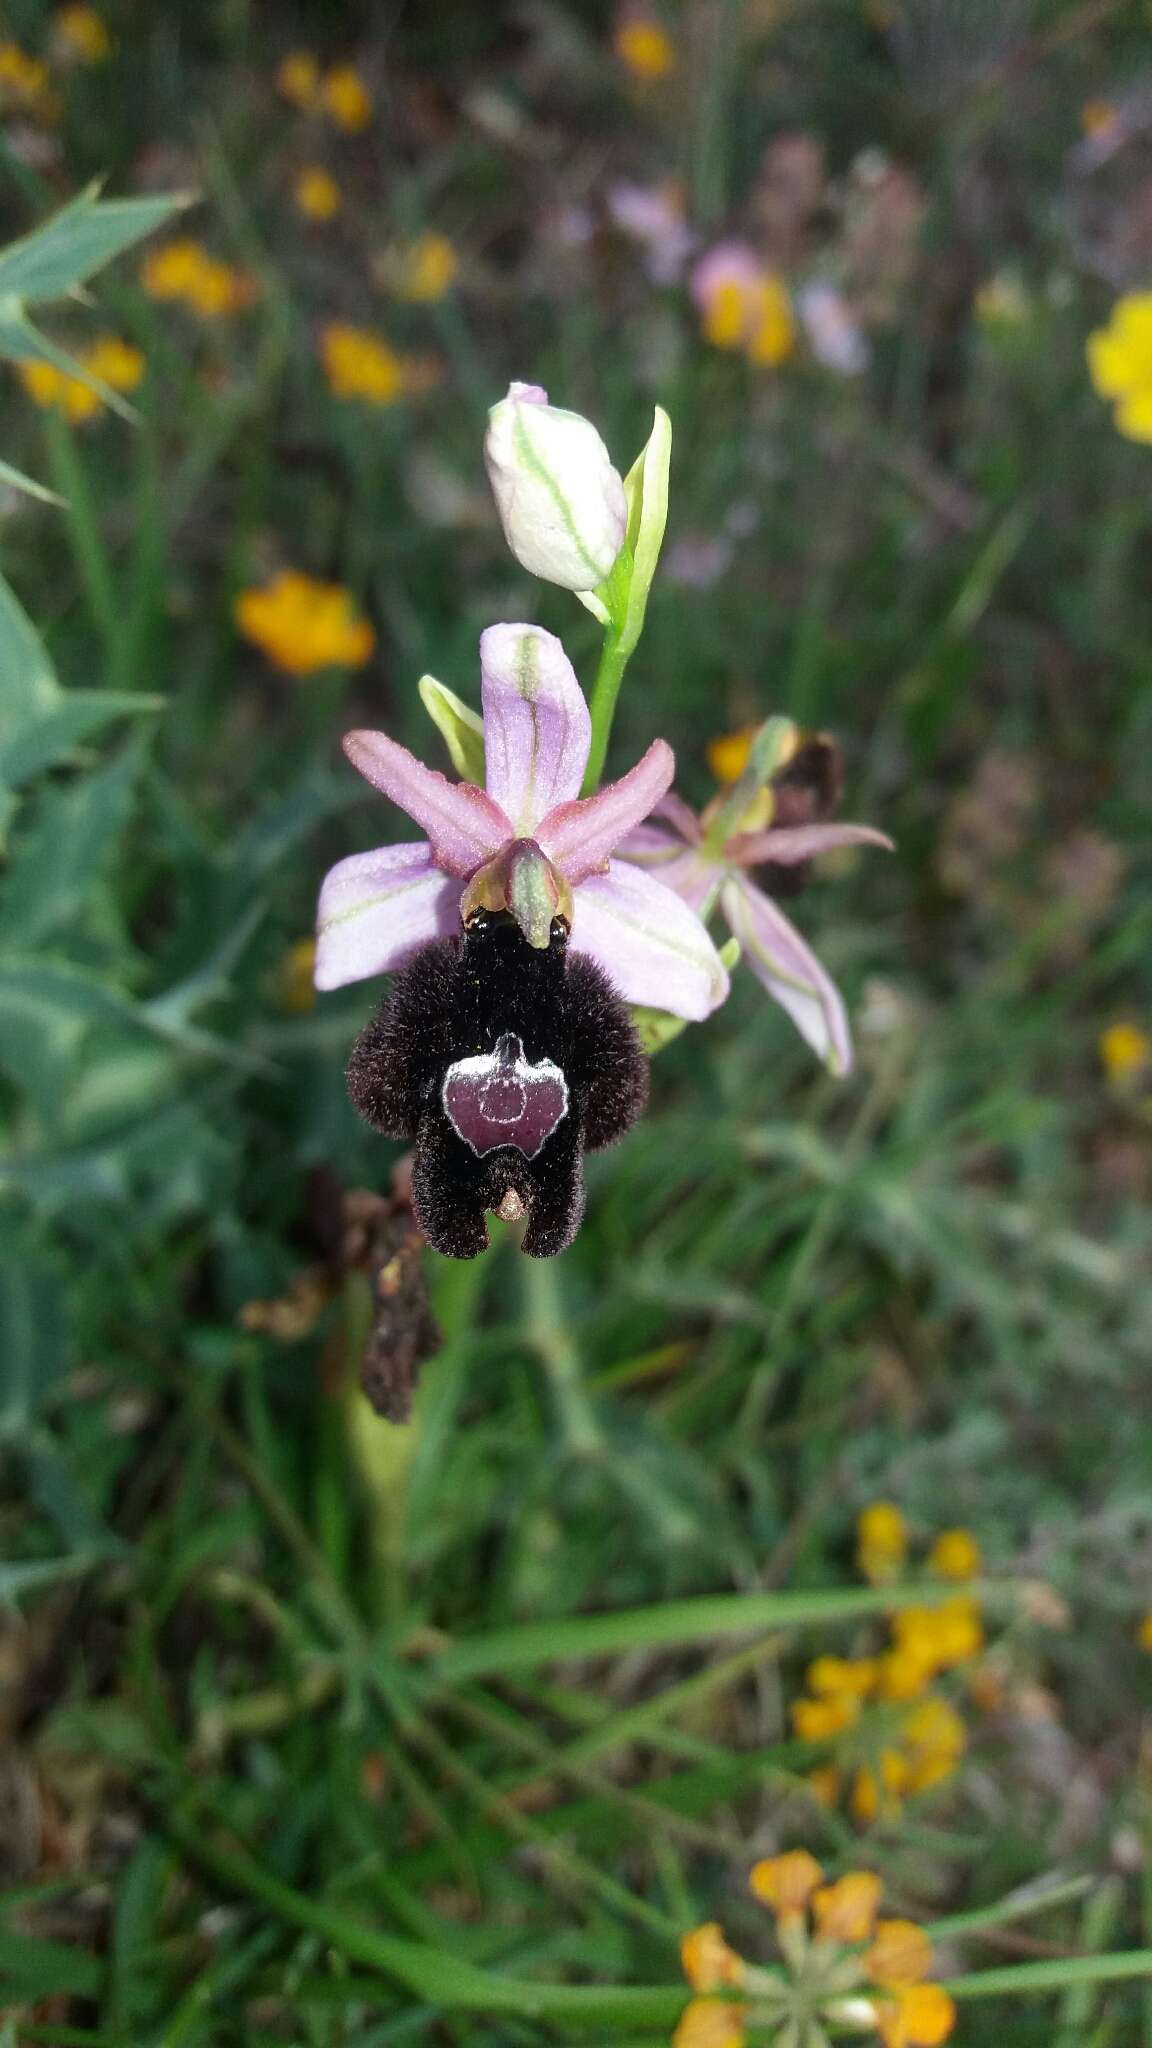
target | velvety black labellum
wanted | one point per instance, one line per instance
(503, 1063)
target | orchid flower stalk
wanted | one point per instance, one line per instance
(569, 518)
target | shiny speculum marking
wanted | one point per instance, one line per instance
(500, 1098)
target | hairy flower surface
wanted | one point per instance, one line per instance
(711, 862)
(527, 842)
(303, 625)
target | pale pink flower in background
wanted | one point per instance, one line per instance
(379, 908)
(831, 329)
(653, 215)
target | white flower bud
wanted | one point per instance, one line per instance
(561, 503)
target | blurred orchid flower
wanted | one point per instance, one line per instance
(710, 862)
(653, 216)
(561, 503)
(527, 842)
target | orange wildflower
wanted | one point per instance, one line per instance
(708, 1962)
(846, 1910)
(786, 1883)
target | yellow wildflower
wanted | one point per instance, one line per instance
(359, 365)
(773, 335)
(853, 1676)
(917, 2016)
(786, 1883)
(933, 1738)
(296, 990)
(880, 1792)
(82, 33)
(302, 625)
(183, 270)
(1125, 1051)
(1098, 118)
(1120, 363)
(345, 98)
(645, 48)
(846, 1910)
(115, 362)
(905, 1672)
(901, 1953)
(427, 268)
(298, 78)
(316, 194)
(956, 1555)
(824, 1784)
(819, 1720)
(728, 754)
(1144, 1633)
(881, 1542)
(21, 77)
(708, 1962)
(709, 2023)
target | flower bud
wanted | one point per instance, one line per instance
(560, 501)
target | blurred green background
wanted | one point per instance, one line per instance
(270, 1668)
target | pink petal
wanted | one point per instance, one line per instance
(800, 842)
(790, 971)
(536, 725)
(692, 875)
(648, 942)
(682, 818)
(377, 909)
(464, 825)
(580, 836)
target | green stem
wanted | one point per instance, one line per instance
(550, 1336)
(70, 480)
(605, 690)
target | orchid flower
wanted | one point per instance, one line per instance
(526, 843)
(711, 860)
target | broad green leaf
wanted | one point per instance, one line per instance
(31, 1969)
(58, 856)
(28, 684)
(78, 241)
(33, 1336)
(50, 735)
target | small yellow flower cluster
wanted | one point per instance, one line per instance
(831, 1976)
(1125, 1053)
(359, 365)
(744, 306)
(911, 1738)
(1120, 364)
(114, 362)
(81, 34)
(645, 48)
(426, 269)
(184, 273)
(340, 93)
(23, 79)
(303, 626)
(1144, 1633)
(315, 193)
